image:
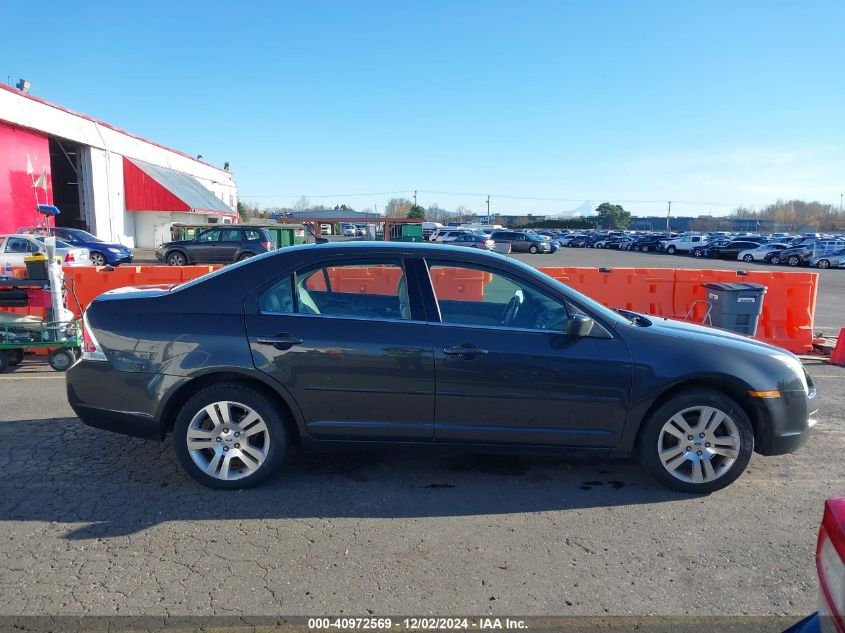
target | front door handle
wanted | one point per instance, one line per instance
(283, 340)
(467, 350)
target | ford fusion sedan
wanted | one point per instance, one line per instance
(362, 345)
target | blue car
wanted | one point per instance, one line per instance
(102, 253)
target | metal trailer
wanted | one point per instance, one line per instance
(64, 338)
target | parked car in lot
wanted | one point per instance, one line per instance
(448, 234)
(830, 568)
(683, 244)
(760, 253)
(836, 259)
(731, 250)
(222, 245)
(101, 253)
(370, 344)
(15, 248)
(802, 254)
(649, 244)
(522, 241)
(473, 240)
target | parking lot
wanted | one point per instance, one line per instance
(95, 523)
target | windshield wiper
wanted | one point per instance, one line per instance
(639, 319)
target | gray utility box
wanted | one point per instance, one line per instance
(735, 306)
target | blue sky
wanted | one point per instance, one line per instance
(712, 103)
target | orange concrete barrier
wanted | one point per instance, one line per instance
(786, 319)
(788, 309)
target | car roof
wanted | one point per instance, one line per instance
(411, 248)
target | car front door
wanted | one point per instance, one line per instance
(204, 248)
(348, 340)
(507, 371)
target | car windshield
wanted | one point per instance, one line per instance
(84, 236)
(59, 243)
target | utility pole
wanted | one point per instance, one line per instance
(840, 203)
(488, 208)
(415, 197)
(669, 213)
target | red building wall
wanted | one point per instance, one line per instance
(142, 193)
(17, 195)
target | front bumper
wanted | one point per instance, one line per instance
(123, 402)
(787, 421)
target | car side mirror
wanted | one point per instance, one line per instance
(579, 326)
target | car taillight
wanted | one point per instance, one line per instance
(489, 242)
(830, 563)
(266, 245)
(69, 258)
(90, 347)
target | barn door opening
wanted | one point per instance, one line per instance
(66, 168)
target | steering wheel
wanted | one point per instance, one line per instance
(512, 309)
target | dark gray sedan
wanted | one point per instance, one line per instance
(363, 345)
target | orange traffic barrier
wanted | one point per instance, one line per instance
(786, 319)
(459, 284)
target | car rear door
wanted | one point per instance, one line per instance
(204, 247)
(521, 381)
(347, 339)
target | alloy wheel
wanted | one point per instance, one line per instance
(228, 440)
(176, 259)
(823, 263)
(748, 258)
(698, 444)
(97, 259)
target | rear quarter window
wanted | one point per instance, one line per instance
(252, 235)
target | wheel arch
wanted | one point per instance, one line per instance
(729, 386)
(186, 389)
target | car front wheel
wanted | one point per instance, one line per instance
(748, 258)
(532, 249)
(793, 260)
(229, 436)
(774, 259)
(823, 263)
(698, 442)
(176, 259)
(671, 250)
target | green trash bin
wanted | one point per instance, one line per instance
(735, 306)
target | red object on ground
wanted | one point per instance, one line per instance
(838, 355)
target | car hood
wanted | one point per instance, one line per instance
(706, 334)
(177, 243)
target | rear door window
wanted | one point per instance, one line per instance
(371, 290)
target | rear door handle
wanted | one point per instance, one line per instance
(465, 350)
(283, 340)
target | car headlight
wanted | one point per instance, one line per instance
(114, 250)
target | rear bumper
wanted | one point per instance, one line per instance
(123, 402)
(787, 422)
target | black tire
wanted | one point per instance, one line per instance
(15, 356)
(794, 260)
(774, 259)
(532, 249)
(61, 359)
(823, 263)
(176, 258)
(650, 436)
(748, 258)
(245, 256)
(244, 395)
(671, 250)
(644, 249)
(97, 259)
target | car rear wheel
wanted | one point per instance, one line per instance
(774, 259)
(98, 259)
(644, 249)
(245, 256)
(793, 260)
(697, 442)
(176, 259)
(532, 249)
(230, 437)
(748, 258)
(823, 263)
